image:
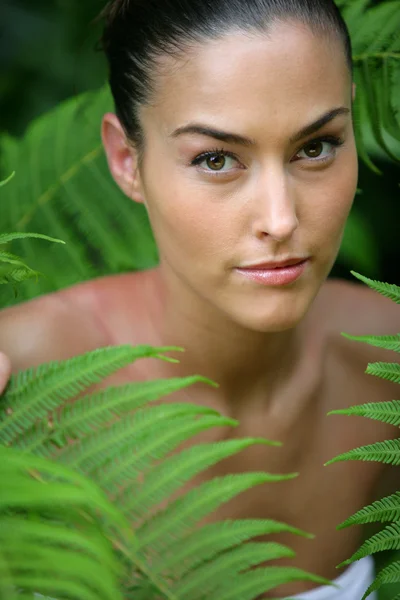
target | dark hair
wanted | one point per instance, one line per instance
(138, 32)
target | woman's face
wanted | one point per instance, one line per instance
(250, 158)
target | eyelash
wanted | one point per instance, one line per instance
(330, 139)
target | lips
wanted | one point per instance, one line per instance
(275, 273)
(274, 265)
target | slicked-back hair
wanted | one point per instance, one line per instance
(138, 32)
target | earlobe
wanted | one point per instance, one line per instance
(354, 91)
(122, 157)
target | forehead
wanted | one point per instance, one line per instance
(282, 78)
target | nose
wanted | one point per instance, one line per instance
(275, 206)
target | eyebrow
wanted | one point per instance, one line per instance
(234, 138)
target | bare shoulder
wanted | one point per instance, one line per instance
(110, 310)
(358, 310)
(52, 327)
(344, 307)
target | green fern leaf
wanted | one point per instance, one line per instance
(387, 539)
(166, 478)
(206, 543)
(94, 451)
(54, 383)
(387, 509)
(74, 197)
(376, 29)
(352, 11)
(6, 238)
(360, 116)
(185, 512)
(389, 371)
(367, 72)
(93, 411)
(388, 342)
(57, 532)
(386, 412)
(206, 579)
(387, 452)
(183, 429)
(131, 465)
(42, 533)
(7, 180)
(28, 561)
(385, 289)
(249, 585)
(390, 574)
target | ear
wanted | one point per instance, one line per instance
(354, 91)
(122, 157)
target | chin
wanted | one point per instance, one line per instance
(273, 318)
(279, 310)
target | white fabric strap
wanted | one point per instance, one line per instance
(352, 584)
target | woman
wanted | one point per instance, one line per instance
(233, 126)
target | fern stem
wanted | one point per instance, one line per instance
(380, 55)
(49, 194)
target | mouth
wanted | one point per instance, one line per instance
(274, 265)
(275, 273)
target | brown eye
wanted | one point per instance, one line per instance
(314, 149)
(216, 162)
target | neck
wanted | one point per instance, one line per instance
(247, 365)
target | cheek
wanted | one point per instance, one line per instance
(187, 223)
(335, 199)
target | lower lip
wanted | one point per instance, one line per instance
(278, 276)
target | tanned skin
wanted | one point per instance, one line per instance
(276, 352)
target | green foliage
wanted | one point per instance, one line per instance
(12, 269)
(57, 532)
(387, 452)
(376, 56)
(127, 447)
(72, 194)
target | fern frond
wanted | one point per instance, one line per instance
(74, 197)
(387, 452)
(380, 511)
(52, 384)
(166, 478)
(12, 269)
(386, 412)
(387, 539)
(57, 532)
(93, 411)
(204, 544)
(183, 467)
(208, 576)
(389, 290)
(387, 342)
(248, 586)
(40, 533)
(6, 238)
(390, 574)
(389, 371)
(376, 60)
(29, 560)
(93, 452)
(181, 515)
(7, 180)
